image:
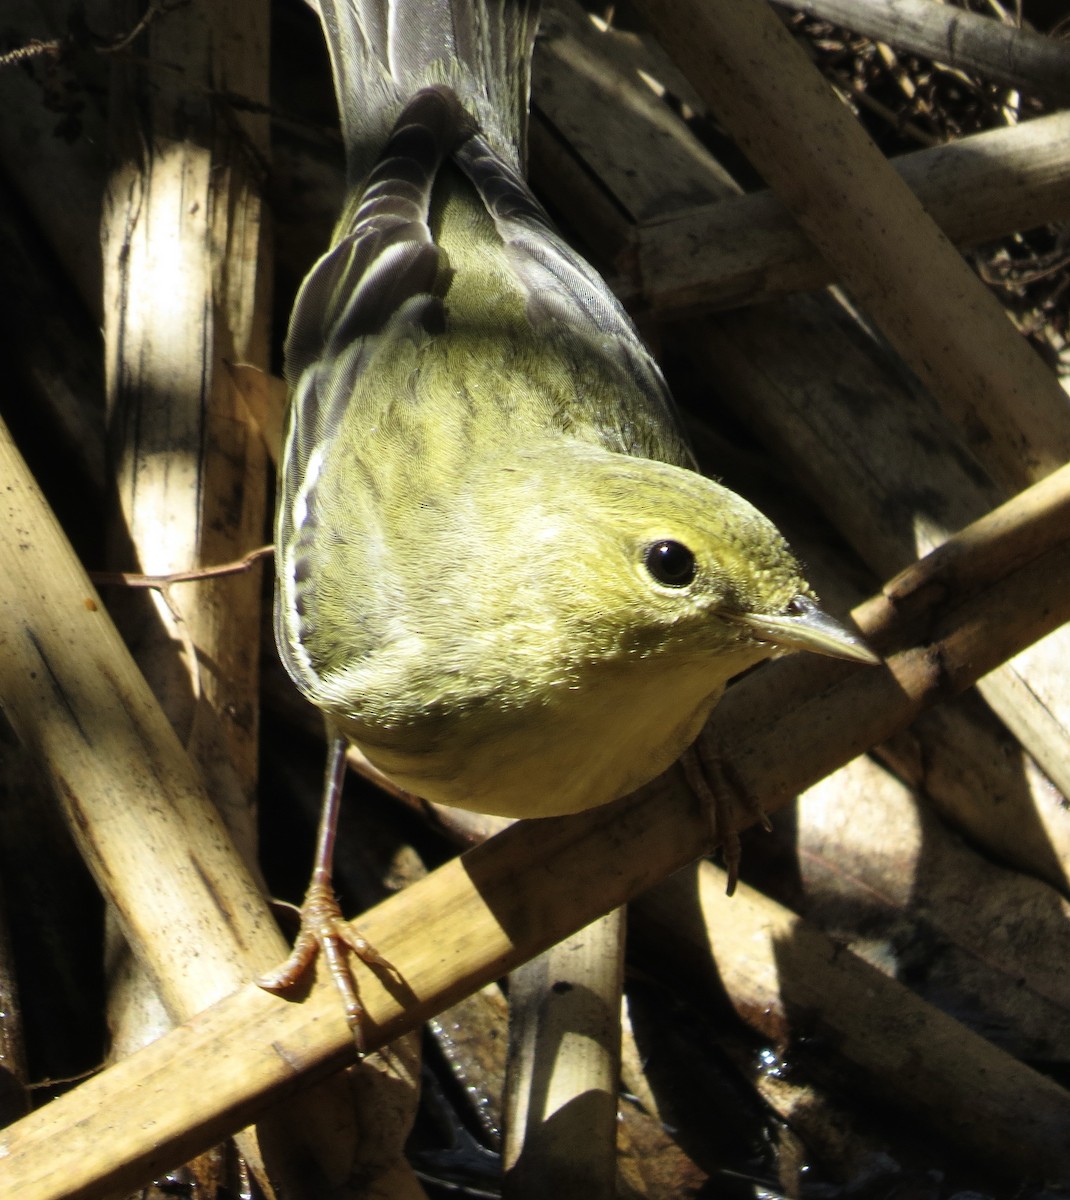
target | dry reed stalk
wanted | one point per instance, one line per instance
(786, 977)
(564, 1066)
(747, 249)
(864, 219)
(136, 805)
(892, 475)
(187, 283)
(1020, 58)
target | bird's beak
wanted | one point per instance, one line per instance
(807, 627)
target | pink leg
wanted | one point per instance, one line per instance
(322, 925)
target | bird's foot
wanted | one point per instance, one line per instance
(324, 929)
(722, 799)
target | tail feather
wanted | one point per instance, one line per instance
(384, 51)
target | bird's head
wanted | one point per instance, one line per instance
(637, 559)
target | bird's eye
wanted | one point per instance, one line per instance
(670, 563)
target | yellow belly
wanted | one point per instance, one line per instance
(577, 750)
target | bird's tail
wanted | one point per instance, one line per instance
(383, 51)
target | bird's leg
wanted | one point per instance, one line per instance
(708, 779)
(322, 925)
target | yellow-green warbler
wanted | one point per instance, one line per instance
(498, 571)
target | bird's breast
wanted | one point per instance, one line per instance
(564, 751)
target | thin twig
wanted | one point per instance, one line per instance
(35, 47)
(32, 49)
(135, 580)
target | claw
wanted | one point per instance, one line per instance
(322, 925)
(323, 929)
(706, 777)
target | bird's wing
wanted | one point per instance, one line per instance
(562, 289)
(384, 276)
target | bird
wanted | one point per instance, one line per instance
(499, 572)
